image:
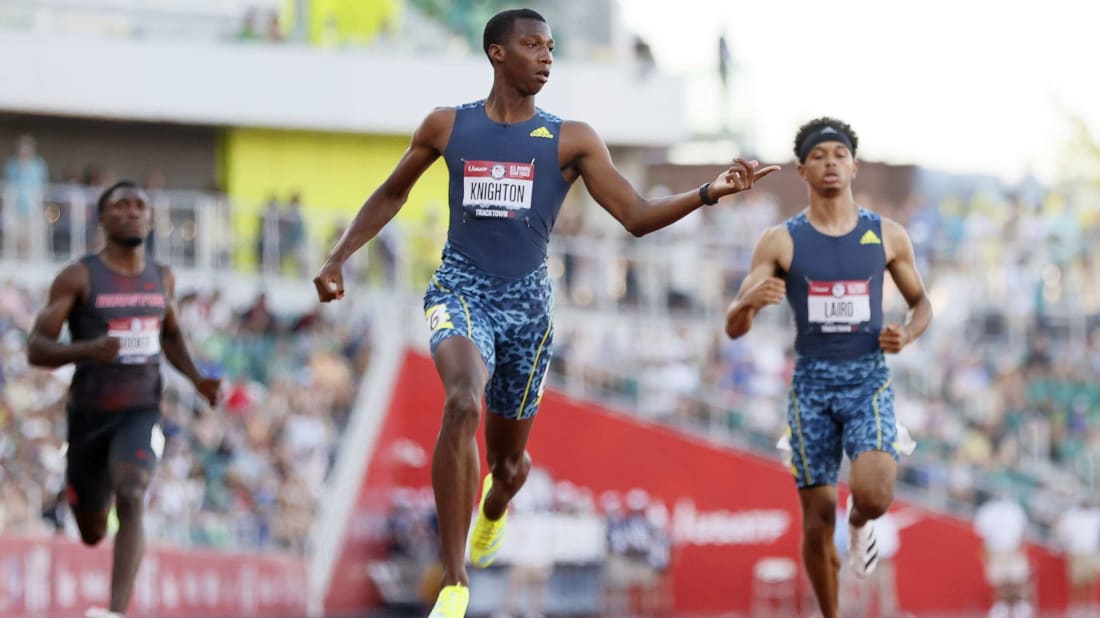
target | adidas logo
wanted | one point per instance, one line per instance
(827, 130)
(542, 132)
(870, 238)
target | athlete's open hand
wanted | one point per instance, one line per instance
(893, 338)
(210, 389)
(739, 177)
(104, 349)
(770, 291)
(330, 282)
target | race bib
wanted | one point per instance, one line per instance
(496, 189)
(139, 337)
(438, 318)
(838, 306)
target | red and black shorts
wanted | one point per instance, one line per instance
(98, 443)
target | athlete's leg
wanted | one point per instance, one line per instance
(869, 435)
(92, 525)
(524, 342)
(816, 456)
(818, 549)
(130, 482)
(131, 465)
(872, 485)
(509, 463)
(455, 465)
(87, 477)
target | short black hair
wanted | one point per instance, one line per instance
(105, 197)
(810, 127)
(500, 26)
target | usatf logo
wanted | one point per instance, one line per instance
(542, 132)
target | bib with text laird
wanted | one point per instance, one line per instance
(834, 286)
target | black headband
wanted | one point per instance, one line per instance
(824, 134)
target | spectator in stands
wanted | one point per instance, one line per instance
(268, 237)
(292, 235)
(258, 318)
(1001, 523)
(25, 177)
(631, 578)
(1078, 534)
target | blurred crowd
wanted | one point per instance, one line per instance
(247, 475)
(1002, 389)
(569, 552)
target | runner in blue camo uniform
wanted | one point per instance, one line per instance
(489, 304)
(829, 262)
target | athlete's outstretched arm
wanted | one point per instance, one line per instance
(903, 270)
(43, 348)
(175, 347)
(586, 150)
(761, 287)
(427, 145)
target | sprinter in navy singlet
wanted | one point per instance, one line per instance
(829, 262)
(488, 307)
(118, 305)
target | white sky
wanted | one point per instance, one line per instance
(964, 85)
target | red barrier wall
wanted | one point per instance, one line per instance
(728, 509)
(60, 578)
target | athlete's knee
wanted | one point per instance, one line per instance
(462, 410)
(93, 529)
(129, 499)
(91, 535)
(510, 470)
(873, 502)
(819, 522)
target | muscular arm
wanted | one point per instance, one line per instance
(427, 145)
(43, 348)
(760, 287)
(171, 337)
(588, 153)
(175, 347)
(903, 270)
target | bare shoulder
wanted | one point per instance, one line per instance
(74, 277)
(71, 284)
(440, 116)
(435, 129)
(891, 228)
(577, 128)
(775, 246)
(896, 238)
(167, 275)
(776, 237)
(578, 135)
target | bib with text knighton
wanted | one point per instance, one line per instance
(497, 189)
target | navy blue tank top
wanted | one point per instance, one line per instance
(835, 288)
(506, 189)
(131, 308)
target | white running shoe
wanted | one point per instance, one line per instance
(862, 547)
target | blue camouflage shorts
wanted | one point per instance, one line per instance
(837, 407)
(510, 321)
